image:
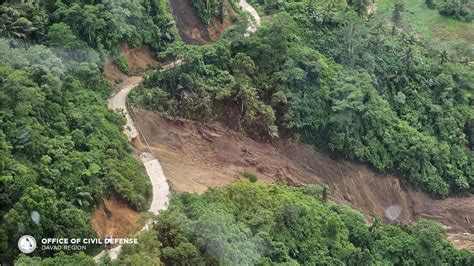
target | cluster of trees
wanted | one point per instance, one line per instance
(457, 9)
(60, 258)
(61, 149)
(255, 224)
(207, 9)
(322, 73)
(319, 71)
(100, 24)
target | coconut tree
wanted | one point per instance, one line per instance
(13, 25)
(443, 56)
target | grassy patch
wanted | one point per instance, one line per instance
(428, 22)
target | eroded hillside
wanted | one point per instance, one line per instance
(192, 29)
(195, 158)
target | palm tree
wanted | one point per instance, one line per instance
(408, 56)
(443, 57)
(82, 198)
(408, 40)
(18, 27)
(380, 28)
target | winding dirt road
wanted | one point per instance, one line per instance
(117, 102)
(161, 189)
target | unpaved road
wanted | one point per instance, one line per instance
(153, 167)
(118, 102)
(161, 189)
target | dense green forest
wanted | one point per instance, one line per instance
(248, 223)
(323, 72)
(254, 224)
(326, 73)
(61, 149)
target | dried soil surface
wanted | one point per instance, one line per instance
(115, 218)
(138, 60)
(112, 74)
(192, 29)
(195, 157)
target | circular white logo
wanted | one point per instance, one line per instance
(27, 244)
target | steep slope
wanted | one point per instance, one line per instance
(161, 191)
(138, 60)
(192, 29)
(248, 223)
(195, 157)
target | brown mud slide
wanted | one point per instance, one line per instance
(192, 29)
(138, 59)
(115, 218)
(195, 157)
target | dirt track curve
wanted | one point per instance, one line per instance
(161, 189)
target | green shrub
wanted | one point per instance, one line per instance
(122, 65)
(457, 10)
(251, 177)
(430, 3)
(207, 9)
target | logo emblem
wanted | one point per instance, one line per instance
(27, 244)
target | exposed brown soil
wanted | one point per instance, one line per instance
(138, 60)
(192, 29)
(196, 157)
(462, 240)
(115, 218)
(112, 74)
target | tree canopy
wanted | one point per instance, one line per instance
(61, 149)
(325, 73)
(253, 224)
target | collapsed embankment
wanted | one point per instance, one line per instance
(195, 157)
(190, 27)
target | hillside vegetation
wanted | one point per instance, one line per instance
(317, 71)
(207, 9)
(254, 224)
(324, 73)
(425, 18)
(61, 150)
